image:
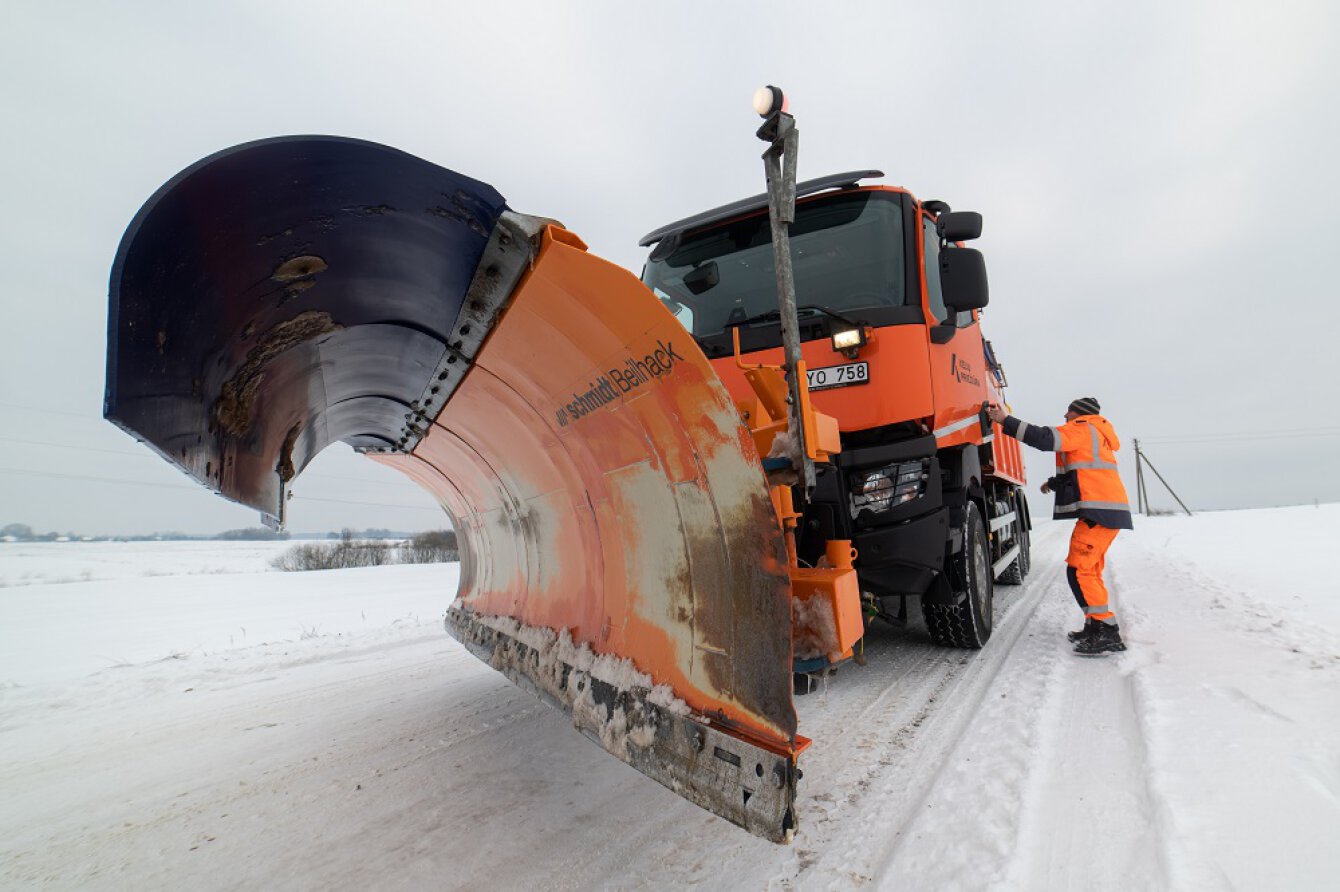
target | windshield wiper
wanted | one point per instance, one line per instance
(771, 314)
(777, 314)
(827, 312)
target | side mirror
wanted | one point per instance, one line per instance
(963, 279)
(959, 226)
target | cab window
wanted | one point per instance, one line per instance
(934, 293)
(846, 256)
(683, 312)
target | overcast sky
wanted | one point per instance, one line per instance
(1159, 184)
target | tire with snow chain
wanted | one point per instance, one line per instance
(966, 623)
(1025, 559)
(1025, 537)
(1014, 574)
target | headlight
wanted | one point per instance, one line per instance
(889, 486)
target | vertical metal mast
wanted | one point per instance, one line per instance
(779, 164)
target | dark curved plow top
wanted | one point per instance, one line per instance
(286, 294)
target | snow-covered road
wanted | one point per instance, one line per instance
(363, 748)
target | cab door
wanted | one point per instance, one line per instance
(958, 359)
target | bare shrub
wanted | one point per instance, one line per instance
(347, 552)
(252, 534)
(434, 547)
(426, 548)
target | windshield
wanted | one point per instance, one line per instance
(847, 255)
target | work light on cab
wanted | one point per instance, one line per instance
(849, 342)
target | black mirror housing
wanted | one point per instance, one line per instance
(959, 226)
(963, 279)
(702, 278)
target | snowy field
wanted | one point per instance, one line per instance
(175, 716)
(46, 563)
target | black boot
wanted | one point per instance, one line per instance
(1106, 639)
(1090, 625)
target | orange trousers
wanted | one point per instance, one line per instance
(1084, 569)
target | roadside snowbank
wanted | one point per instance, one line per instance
(1205, 757)
(48, 563)
(59, 633)
(147, 741)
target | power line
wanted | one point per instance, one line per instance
(52, 474)
(148, 454)
(1243, 436)
(370, 504)
(123, 482)
(24, 442)
(45, 411)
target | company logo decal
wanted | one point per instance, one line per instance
(962, 370)
(624, 378)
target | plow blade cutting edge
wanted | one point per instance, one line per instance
(621, 557)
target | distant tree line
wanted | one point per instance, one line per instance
(22, 532)
(253, 534)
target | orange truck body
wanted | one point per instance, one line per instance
(914, 379)
(908, 399)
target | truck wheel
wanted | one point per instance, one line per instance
(1025, 538)
(1014, 574)
(966, 623)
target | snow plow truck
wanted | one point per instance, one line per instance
(675, 495)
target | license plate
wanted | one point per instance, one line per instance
(832, 376)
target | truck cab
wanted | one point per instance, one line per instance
(889, 305)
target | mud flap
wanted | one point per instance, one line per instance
(287, 294)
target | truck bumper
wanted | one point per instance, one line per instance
(902, 558)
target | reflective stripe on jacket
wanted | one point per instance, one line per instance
(1087, 484)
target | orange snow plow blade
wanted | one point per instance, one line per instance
(605, 488)
(621, 556)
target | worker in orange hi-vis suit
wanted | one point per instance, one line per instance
(1089, 490)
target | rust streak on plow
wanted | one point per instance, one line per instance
(604, 487)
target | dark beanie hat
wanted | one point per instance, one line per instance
(1085, 405)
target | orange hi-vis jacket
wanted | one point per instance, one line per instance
(1087, 485)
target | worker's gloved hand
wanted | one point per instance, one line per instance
(996, 413)
(1046, 487)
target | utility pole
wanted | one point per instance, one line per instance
(1139, 481)
(1141, 493)
(1142, 459)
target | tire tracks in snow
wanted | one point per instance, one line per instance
(881, 734)
(936, 709)
(1093, 816)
